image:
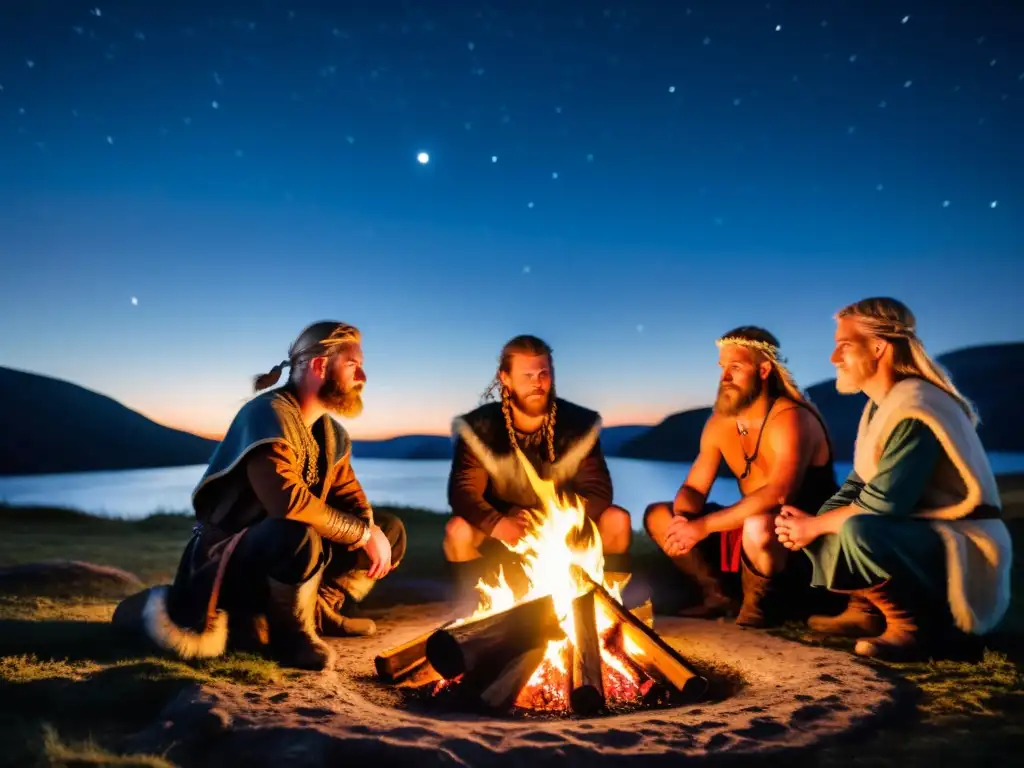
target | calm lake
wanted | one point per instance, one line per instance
(423, 484)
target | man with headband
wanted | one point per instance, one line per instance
(915, 535)
(286, 536)
(777, 446)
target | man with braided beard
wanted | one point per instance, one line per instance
(777, 446)
(488, 489)
(915, 535)
(285, 535)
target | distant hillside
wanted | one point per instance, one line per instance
(440, 446)
(48, 425)
(53, 426)
(989, 375)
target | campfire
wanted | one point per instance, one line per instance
(568, 645)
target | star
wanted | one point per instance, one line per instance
(494, 158)
(526, 269)
(993, 204)
(135, 301)
(423, 158)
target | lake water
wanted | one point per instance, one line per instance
(138, 493)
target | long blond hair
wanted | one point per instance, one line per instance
(892, 320)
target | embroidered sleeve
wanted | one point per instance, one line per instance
(467, 485)
(904, 469)
(347, 494)
(593, 483)
(846, 495)
(277, 481)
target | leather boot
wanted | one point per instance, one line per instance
(902, 639)
(760, 608)
(331, 622)
(859, 619)
(291, 617)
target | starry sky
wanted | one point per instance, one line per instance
(184, 186)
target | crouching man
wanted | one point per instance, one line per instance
(914, 536)
(285, 535)
(488, 489)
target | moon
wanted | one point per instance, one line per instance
(135, 301)
(423, 158)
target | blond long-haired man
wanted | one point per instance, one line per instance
(914, 535)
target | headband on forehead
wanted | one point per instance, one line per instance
(761, 346)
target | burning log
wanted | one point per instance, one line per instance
(487, 645)
(503, 691)
(645, 613)
(399, 662)
(587, 688)
(649, 652)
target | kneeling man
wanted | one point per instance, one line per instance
(285, 534)
(776, 444)
(488, 489)
(914, 536)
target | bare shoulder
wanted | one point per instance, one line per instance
(714, 429)
(795, 419)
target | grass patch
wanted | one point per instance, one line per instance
(71, 689)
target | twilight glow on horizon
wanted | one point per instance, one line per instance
(184, 186)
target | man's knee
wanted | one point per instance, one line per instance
(394, 529)
(656, 516)
(614, 521)
(759, 532)
(861, 531)
(294, 550)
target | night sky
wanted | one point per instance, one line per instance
(184, 186)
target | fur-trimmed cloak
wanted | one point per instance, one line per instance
(960, 503)
(186, 617)
(483, 447)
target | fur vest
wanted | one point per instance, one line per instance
(979, 551)
(485, 434)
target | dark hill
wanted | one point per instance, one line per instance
(48, 425)
(989, 375)
(51, 426)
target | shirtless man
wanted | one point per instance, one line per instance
(778, 448)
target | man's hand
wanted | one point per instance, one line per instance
(795, 528)
(378, 549)
(682, 535)
(511, 528)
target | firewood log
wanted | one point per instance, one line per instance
(502, 693)
(644, 612)
(587, 687)
(395, 663)
(652, 654)
(495, 640)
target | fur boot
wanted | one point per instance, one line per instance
(330, 620)
(903, 636)
(860, 619)
(291, 616)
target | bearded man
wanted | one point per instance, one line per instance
(488, 489)
(286, 535)
(777, 446)
(914, 535)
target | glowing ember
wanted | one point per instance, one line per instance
(560, 546)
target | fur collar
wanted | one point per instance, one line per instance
(577, 432)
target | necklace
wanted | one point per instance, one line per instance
(749, 460)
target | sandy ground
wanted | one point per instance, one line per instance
(791, 697)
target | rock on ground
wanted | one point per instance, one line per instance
(792, 697)
(67, 579)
